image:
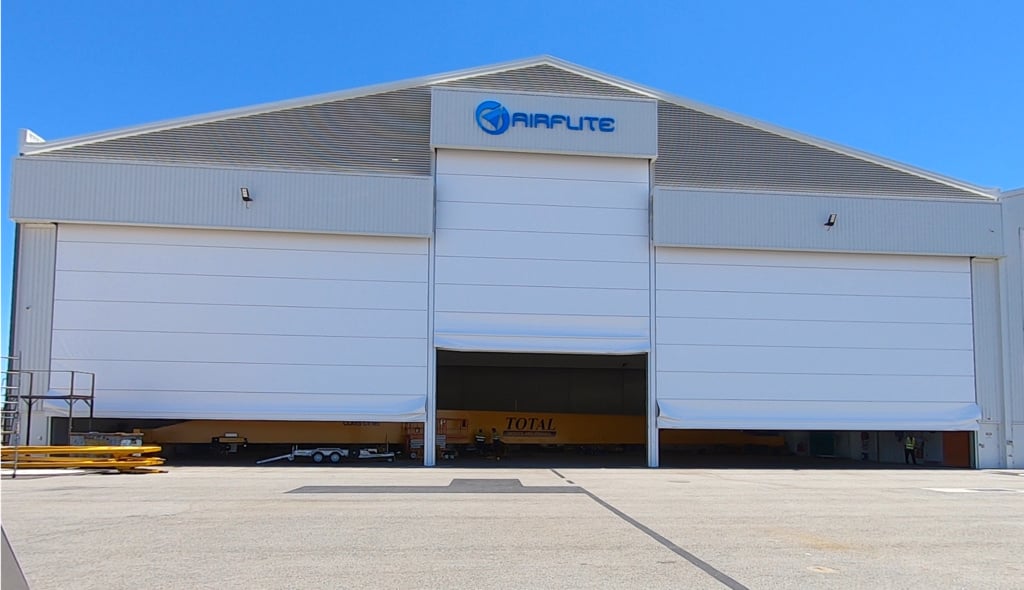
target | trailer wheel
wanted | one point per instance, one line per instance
(318, 457)
(335, 457)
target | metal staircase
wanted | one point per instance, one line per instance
(10, 413)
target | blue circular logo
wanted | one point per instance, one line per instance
(492, 118)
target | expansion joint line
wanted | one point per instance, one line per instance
(690, 557)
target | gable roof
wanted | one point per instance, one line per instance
(385, 128)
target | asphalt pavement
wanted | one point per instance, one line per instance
(397, 526)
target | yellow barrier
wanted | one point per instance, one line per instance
(122, 459)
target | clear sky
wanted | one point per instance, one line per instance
(937, 84)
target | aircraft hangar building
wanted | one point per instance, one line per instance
(530, 239)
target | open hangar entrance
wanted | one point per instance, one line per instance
(813, 448)
(544, 408)
(590, 409)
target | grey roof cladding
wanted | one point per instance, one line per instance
(542, 78)
(699, 150)
(388, 132)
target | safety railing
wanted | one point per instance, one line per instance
(73, 388)
(27, 391)
(10, 412)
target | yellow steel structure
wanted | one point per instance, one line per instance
(275, 432)
(123, 459)
(457, 427)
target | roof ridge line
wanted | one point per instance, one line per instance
(832, 146)
(28, 148)
(760, 125)
(434, 79)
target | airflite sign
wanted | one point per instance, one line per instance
(494, 119)
(543, 123)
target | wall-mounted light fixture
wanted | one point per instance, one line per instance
(831, 220)
(246, 198)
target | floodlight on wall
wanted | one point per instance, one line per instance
(831, 220)
(245, 195)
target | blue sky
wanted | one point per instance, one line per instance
(935, 84)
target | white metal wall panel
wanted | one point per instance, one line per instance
(1015, 460)
(541, 253)
(1012, 294)
(243, 325)
(135, 193)
(1015, 289)
(32, 317)
(780, 221)
(33, 297)
(987, 339)
(775, 340)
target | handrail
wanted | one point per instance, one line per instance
(10, 417)
(71, 397)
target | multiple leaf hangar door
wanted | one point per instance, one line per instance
(546, 254)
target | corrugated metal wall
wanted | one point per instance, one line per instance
(48, 189)
(32, 318)
(987, 338)
(720, 219)
(1013, 292)
(1016, 348)
(32, 308)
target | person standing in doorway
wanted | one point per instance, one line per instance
(909, 449)
(496, 446)
(480, 442)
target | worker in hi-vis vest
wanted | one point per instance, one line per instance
(909, 446)
(480, 441)
(496, 443)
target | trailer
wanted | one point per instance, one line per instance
(331, 454)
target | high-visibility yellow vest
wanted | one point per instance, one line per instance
(910, 442)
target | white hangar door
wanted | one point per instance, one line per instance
(541, 253)
(181, 323)
(793, 341)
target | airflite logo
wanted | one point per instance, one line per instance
(494, 119)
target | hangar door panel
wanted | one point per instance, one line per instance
(541, 253)
(774, 340)
(214, 324)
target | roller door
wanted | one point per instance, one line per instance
(774, 340)
(180, 323)
(542, 253)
